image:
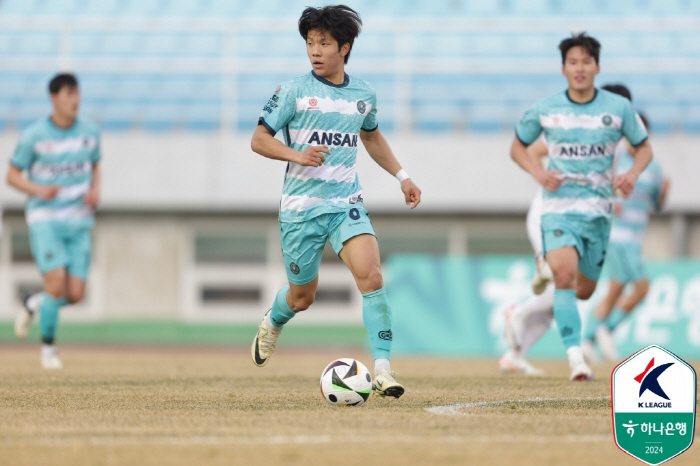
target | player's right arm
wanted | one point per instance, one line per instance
(22, 160)
(266, 145)
(526, 133)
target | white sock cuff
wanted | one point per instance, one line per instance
(380, 364)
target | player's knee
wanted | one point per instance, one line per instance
(565, 278)
(57, 290)
(302, 302)
(372, 280)
(74, 297)
(584, 293)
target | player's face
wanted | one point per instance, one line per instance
(66, 102)
(322, 49)
(580, 69)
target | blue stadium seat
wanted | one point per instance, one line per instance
(691, 120)
(528, 7)
(120, 115)
(161, 116)
(430, 117)
(202, 116)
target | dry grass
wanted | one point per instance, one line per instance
(145, 406)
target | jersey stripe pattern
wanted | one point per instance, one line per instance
(582, 139)
(59, 157)
(629, 226)
(311, 111)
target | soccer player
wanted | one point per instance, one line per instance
(60, 156)
(582, 127)
(324, 114)
(528, 322)
(624, 257)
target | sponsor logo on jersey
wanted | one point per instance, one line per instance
(271, 104)
(386, 335)
(278, 89)
(330, 138)
(313, 104)
(585, 150)
(61, 146)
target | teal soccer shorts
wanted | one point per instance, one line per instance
(588, 235)
(303, 242)
(624, 262)
(61, 245)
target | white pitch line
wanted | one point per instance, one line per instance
(456, 409)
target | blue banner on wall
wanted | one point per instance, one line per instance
(456, 306)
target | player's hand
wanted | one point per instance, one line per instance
(312, 156)
(617, 209)
(549, 179)
(91, 198)
(48, 192)
(411, 192)
(625, 183)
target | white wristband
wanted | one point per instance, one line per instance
(402, 175)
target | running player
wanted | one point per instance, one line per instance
(582, 127)
(624, 257)
(528, 322)
(60, 154)
(323, 115)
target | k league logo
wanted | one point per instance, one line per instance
(653, 403)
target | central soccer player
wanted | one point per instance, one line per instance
(582, 126)
(324, 114)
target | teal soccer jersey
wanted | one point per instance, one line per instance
(629, 226)
(312, 111)
(61, 157)
(582, 139)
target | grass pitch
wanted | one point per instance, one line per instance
(189, 406)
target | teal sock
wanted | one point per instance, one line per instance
(376, 315)
(281, 312)
(567, 317)
(616, 316)
(592, 325)
(49, 317)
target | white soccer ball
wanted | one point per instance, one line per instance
(346, 382)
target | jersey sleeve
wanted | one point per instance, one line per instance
(529, 128)
(24, 153)
(97, 152)
(280, 109)
(632, 126)
(370, 122)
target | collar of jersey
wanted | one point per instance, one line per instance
(54, 126)
(346, 81)
(595, 94)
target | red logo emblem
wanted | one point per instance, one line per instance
(313, 102)
(278, 89)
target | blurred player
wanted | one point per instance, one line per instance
(582, 127)
(624, 257)
(528, 322)
(60, 154)
(323, 115)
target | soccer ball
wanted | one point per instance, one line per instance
(346, 382)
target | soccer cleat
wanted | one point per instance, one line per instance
(542, 277)
(264, 342)
(384, 384)
(512, 363)
(605, 340)
(23, 321)
(49, 358)
(579, 369)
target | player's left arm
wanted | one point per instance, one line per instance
(92, 197)
(378, 148)
(642, 157)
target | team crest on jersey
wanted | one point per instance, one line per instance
(361, 107)
(313, 103)
(607, 120)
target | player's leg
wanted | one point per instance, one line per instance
(633, 269)
(302, 248)
(598, 318)
(543, 274)
(564, 263)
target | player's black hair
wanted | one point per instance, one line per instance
(619, 89)
(591, 45)
(340, 21)
(62, 80)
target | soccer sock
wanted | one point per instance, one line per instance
(49, 316)
(528, 313)
(381, 364)
(567, 317)
(376, 315)
(616, 316)
(281, 312)
(591, 326)
(535, 328)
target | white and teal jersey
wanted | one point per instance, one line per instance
(59, 157)
(312, 112)
(630, 225)
(582, 139)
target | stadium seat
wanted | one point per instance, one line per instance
(529, 7)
